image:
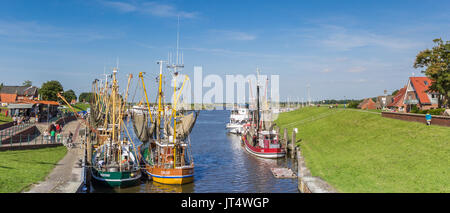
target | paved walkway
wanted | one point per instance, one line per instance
(66, 177)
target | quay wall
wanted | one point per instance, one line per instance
(6, 125)
(308, 183)
(435, 119)
(21, 136)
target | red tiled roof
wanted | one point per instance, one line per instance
(398, 98)
(8, 98)
(42, 102)
(421, 85)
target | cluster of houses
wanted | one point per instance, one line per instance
(23, 102)
(414, 93)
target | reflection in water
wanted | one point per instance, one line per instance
(221, 164)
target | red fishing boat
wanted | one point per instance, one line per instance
(259, 137)
(265, 144)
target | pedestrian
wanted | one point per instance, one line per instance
(52, 135)
(58, 138)
(58, 128)
(428, 118)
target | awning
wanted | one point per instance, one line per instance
(20, 106)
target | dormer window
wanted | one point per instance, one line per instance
(426, 83)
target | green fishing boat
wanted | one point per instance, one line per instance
(114, 160)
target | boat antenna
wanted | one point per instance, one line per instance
(178, 36)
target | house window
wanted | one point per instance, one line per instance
(425, 82)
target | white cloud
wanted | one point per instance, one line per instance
(231, 35)
(357, 69)
(326, 70)
(37, 32)
(149, 8)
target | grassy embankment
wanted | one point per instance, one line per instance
(20, 169)
(77, 107)
(357, 151)
(3, 118)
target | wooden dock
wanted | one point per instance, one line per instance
(283, 173)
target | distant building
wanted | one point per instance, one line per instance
(368, 103)
(13, 94)
(383, 101)
(397, 103)
(43, 110)
(417, 94)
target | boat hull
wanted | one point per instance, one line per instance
(263, 152)
(116, 179)
(177, 176)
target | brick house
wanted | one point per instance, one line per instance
(13, 94)
(368, 103)
(397, 103)
(417, 94)
(384, 101)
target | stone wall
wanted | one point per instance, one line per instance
(435, 119)
(6, 125)
(308, 183)
(22, 136)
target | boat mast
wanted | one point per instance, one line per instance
(257, 102)
(160, 108)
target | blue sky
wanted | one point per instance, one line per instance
(341, 48)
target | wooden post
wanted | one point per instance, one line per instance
(285, 140)
(89, 149)
(293, 144)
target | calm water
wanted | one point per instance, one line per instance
(221, 164)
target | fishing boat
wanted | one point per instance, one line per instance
(114, 160)
(259, 137)
(166, 149)
(238, 118)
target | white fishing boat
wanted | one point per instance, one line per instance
(238, 118)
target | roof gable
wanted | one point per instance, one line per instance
(19, 90)
(421, 85)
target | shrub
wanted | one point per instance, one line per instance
(438, 111)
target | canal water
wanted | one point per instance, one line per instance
(221, 164)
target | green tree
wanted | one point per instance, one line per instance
(395, 92)
(437, 67)
(85, 97)
(27, 83)
(69, 95)
(49, 90)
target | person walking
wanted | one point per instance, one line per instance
(58, 128)
(428, 118)
(52, 135)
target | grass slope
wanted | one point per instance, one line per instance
(4, 119)
(20, 169)
(357, 151)
(78, 107)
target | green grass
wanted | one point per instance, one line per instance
(4, 119)
(20, 169)
(357, 151)
(78, 107)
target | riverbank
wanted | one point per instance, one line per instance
(20, 169)
(66, 177)
(357, 151)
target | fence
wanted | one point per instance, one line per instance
(35, 138)
(12, 130)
